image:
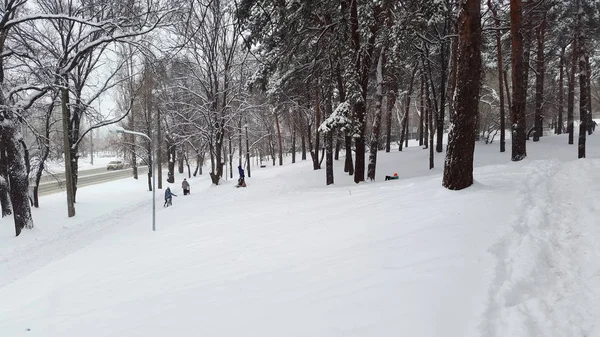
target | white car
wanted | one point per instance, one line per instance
(115, 165)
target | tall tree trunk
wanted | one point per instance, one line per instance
(247, 152)
(240, 149)
(571, 93)
(422, 110)
(453, 73)
(158, 150)
(539, 81)
(500, 80)
(187, 164)
(444, 69)
(303, 141)
(362, 54)
(171, 149)
(180, 159)
(17, 174)
(314, 152)
(329, 137)
(230, 158)
(279, 142)
(519, 145)
(507, 90)
(66, 117)
(45, 150)
(407, 105)
(458, 169)
(427, 114)
(391, 97)
(590, 120)
(4, 180)
(377, 119)
(561, 93)
(431, 134)
(293, 145)
(583, 82)
(338, 146)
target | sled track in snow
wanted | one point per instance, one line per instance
(543, 275)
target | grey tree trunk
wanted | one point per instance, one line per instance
(539, 81)
(561, 92)
(519, 137)
(571, 93)
(377, 119)
(458, 169)
(66, 117)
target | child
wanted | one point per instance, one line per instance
(168, 197)
(241, 182)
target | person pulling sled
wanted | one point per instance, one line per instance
(185, 186)
(168, 197)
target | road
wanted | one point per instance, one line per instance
(51, 184)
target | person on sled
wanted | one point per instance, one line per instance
(241, 181)
(185, 186)
(168, 197)
(394, 177)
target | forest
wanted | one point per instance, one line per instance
(221, 83)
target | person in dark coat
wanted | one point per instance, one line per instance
(168, 197)
(185, 186)
(241, 181)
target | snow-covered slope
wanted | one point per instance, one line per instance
(515, 255)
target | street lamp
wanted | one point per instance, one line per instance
(122, 130)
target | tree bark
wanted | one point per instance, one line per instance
(158, 151)
(458, 169)
(4, 180)
(500, 76)
(431, 133)
(452, 89)
(391, 96)
(180, 159)
(329, 139)
(539, 81)
(583, 83)
(441, 114)
(247, 151)
(293, 145)
(377, 118)
(314, 152)
(427, 114)
(590, 120)
(407, 106)
(171, 159)
(279, 142)
(422, 109)
(571, 93)
(66, 117)
(519, 145)
(561, 92)
(303, 141)
(17, 176)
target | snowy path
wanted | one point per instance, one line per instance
(548, 273)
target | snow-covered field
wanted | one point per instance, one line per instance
(514, 255)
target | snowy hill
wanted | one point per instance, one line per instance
(514, 255)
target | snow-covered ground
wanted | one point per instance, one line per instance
(515, 255)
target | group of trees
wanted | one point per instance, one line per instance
(51, 52)
(214, 80)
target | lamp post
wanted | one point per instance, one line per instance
(121, 130)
